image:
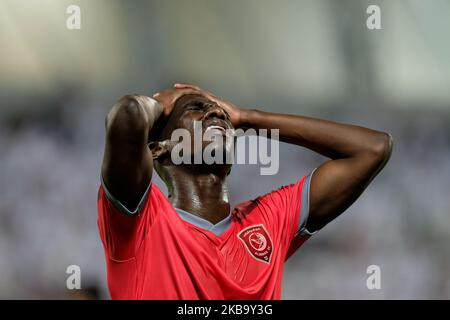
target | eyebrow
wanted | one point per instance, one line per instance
(202, 100)
(197, 99)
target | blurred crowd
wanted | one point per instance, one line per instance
(401, 223)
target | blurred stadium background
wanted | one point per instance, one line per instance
(314, 58)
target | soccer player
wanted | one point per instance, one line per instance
(191, 244)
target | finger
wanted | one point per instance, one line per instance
(174, 92)
(201, 91)
(183, 91)
(183, 85)
(187, 85)
(178, 93)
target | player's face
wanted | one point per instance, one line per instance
(212, 121)
(193, 107)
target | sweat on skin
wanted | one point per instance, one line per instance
(224, 141)
(192, 244)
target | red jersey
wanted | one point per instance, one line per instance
(161, 252)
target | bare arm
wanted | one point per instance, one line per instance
(127, 167)
(357, 155)
(127, 163)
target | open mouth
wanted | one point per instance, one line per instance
(219, 130)
(216, 124)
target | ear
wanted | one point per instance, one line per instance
(159, 149)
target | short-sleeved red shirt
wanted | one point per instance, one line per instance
(160, 252)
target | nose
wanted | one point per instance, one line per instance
(214, 111)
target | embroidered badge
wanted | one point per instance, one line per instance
(258, 242)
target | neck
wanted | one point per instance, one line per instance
(202, 194)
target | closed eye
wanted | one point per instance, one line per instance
(196, 105)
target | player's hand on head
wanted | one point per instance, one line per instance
(169, 96)
(234, 112)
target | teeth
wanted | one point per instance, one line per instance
(215, 127)
(228, 132)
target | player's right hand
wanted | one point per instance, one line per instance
(169, 96)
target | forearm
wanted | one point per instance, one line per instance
(331, 139)
(357, 154)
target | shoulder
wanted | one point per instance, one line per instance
(153, 198)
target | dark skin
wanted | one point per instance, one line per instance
(195, 188)
(356, 154)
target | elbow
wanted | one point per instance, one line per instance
(381, 148)
(126, 112)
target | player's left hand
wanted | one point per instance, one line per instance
(234, 112)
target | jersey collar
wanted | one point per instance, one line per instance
(218, 229)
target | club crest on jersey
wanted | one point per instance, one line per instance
(258, 242)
